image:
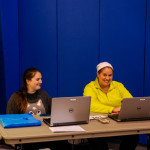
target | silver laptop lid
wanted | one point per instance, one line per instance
(70, 110)
(135, 108)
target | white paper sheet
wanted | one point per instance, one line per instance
(97, 116)
(67, 129)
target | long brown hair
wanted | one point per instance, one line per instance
(21, 98)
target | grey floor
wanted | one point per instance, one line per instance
(3, 147)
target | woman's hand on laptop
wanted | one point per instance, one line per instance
(116, 109)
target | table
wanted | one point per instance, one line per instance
(93, 129)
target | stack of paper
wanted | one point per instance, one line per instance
(67, 129)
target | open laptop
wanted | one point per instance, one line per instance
(69, 111)
(133, 109)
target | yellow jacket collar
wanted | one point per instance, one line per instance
(98, 86)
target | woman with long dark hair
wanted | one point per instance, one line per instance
(30, 99)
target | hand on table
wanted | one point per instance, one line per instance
(116, 109)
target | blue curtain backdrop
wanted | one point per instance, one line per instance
(122, 39)
(2, 73)
(147, 52)
(38, 40)
(9, 51)
(78, 45)
(67, 39)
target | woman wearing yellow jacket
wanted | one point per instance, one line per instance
(106, 97)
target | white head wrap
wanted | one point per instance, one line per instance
(103, 65)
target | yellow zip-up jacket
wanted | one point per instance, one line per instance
(105, 103)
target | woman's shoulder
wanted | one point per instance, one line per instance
(91, 84)
(43, 92)
(15, 94)
(91, 87)
(117, 84)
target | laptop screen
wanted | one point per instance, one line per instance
(70, 110)
(136, 108)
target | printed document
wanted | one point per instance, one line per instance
(67, 129)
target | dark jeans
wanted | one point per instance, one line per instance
(128, 142)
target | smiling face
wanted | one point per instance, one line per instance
(35, 83)
(105, 77)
